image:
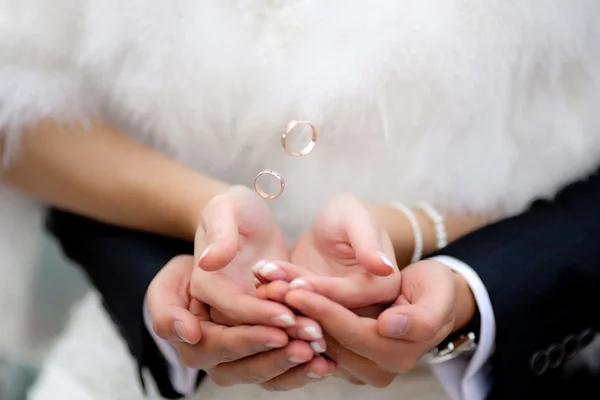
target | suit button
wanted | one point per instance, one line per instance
(571, 346)
(556, 355)
(539, 363)
(586, 337)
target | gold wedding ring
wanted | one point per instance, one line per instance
(264, 194)
(308, 148)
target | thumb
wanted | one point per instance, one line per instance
(367, 239)
(168, 303)
(217, 239)
(425, 308)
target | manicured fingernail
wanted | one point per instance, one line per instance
(274, 345)
(317, 348)
(299, 283)
(285, 320)
(387, 261)
(312, 375)
(313, 332)
(295, 360)
(395, 325)
(179, 329)
(258, 266)
(203, 254)
(268, 270)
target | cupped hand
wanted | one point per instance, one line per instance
(434, 301)
(345, 255)
(238, 231)
(262, 355)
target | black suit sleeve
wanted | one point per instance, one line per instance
(542, 272)
(121, 264)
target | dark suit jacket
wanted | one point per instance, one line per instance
(542, 272)
(541, 268)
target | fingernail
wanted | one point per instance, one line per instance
(258, 266)
(268, 270)
(299, 283)
(179, 329)
(312, 375)
(396, 325)
(313, 332)
(285, 319)
(203, 254)
(387, 261)
(317, 348)
(295, 360)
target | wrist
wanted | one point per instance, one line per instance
(400, 231)
(465, 304)
(193, 198)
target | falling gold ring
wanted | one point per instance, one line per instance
(308, 148)
(264, 194)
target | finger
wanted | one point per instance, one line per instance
(366, 239)
(429, 311)
(262, 367)
(222, 344)
(305, 328)
(217, 240)
(358, 367)
(267, 271)
(310, 331)
(314, 371)
(168, 303)
(352, 291)
(359, 335)
(274, 291)
(220, 292)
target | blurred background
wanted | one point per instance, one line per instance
(30, 320)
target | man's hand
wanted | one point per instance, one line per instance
(434, 301)
(261, 355)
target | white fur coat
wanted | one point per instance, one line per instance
(472, 105)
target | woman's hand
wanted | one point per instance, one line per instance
(237, 231)
(261, 355)
(345, 256)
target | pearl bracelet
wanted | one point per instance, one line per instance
(441, 237)
(416, 228)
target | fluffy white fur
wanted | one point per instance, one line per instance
(472, 105)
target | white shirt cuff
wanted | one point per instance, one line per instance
(182, 378)
(470, 379)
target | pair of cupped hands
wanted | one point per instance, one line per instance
(246, 309)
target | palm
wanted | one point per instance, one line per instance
(238, 230)
(326, 250)
(326, 257)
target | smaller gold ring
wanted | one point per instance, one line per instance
(264, 194)
(308, 148)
